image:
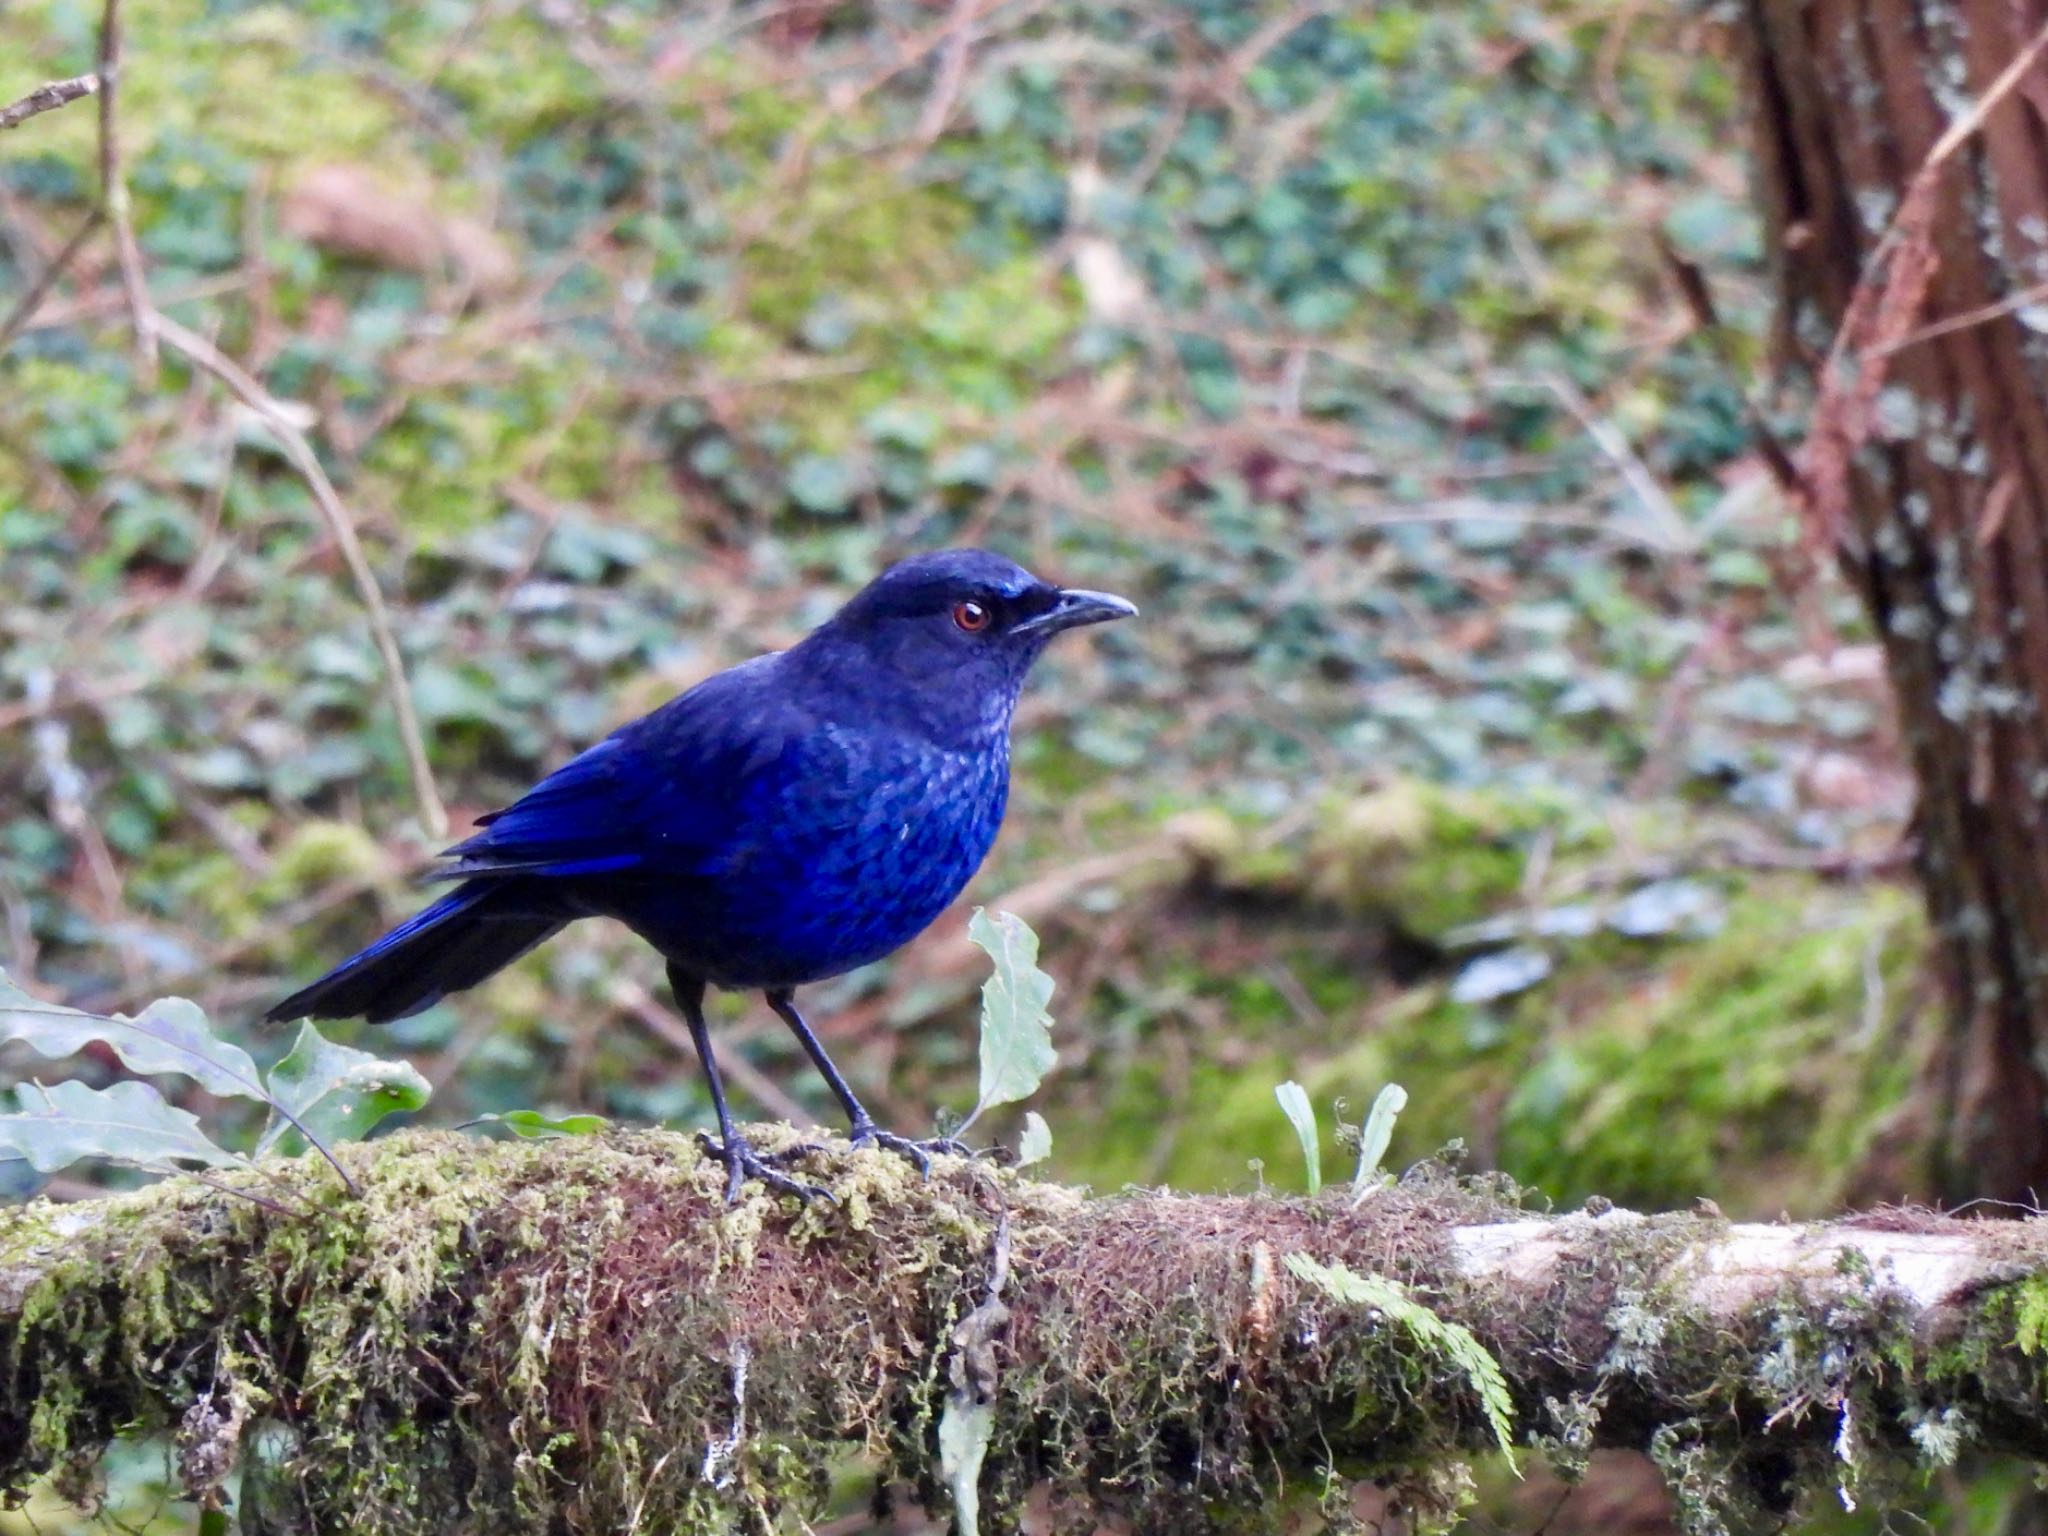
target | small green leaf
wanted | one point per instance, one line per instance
(337, 1093)
(819, 483)
(965, 1428)
(532, 1123)
(127, 1122)
(1373, 1141)
(171, 1035)
(1016, 1030)
(1452, 1341)
(1035, 1145)
(1302, 1116)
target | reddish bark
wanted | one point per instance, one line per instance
(1942, 518)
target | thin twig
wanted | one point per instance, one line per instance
(150, 326)
(48, 98)
(750, 1079)
(205, 355)
(38, 290)
(954, 56)
(1473, 510)
(296, 1213)
(1671, 528)
(1964, 321)
(114, 196)
(1958, 133)
(93, 303)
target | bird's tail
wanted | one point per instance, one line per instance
(476, 929)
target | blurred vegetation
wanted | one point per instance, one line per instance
(1483, 730)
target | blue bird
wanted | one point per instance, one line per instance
(787, 820)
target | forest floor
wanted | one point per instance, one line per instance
(1488, 729)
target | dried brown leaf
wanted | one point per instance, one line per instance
(355, 211)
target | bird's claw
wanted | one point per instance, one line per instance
(742, 1163)
(867, 1133)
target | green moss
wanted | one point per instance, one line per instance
(551, 1334)
(512, 75)
(1748, 1066)
(2029, 1302)
(844, 254)
(1759, 1064)
(1238, 1125)
(248, 83)
(1434, 858)
(1421, 857)
(542, 415)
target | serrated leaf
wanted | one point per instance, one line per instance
(127, 1122)
(965, 1428)
(1453, 1341)
(171, 1035)
(1016, 1029)
(532, 1123)
(336, 1093)
(1378, 1133)
(1035, 1144)
(1301, 1115)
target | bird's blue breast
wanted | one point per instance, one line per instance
(843, 849)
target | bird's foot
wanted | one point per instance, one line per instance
(742, 1163)
(866, 1133)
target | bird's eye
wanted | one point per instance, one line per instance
(970, 616)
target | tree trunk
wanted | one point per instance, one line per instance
(1941, 519)
(577, 1335)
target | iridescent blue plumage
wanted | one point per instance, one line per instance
(790, 819)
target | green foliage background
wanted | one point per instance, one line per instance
(1340, 340)
(1282, 322)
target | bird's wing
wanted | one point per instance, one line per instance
(662, 793)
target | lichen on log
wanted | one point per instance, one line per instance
(577, 1335)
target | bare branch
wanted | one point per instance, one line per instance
(142, 314)
(26, 306)
(954, 56)
(47, 98)
(150, 326)
(204, 355)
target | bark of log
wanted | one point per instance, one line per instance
(577, 1336)
(1944, 529)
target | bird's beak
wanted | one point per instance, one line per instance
(1075, 607)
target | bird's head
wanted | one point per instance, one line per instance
(963, 620)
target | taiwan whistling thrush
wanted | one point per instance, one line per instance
(792, 818)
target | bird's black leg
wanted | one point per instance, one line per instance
(863, 1127)
(741, 1161)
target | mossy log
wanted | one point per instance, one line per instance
(575, 1335)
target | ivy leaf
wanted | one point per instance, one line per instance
(1453, 1342)
(1016, 1030)
(1302, 1116)
(330, 1092)
(532, 1123)
(126, 1122)
(171, 1035)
